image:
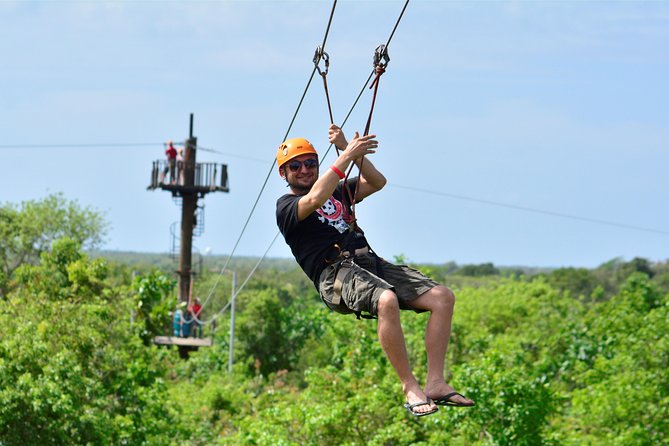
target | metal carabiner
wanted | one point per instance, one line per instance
(381, 53)
(318, 55)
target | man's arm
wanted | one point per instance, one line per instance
(327, 182)
(371, 180)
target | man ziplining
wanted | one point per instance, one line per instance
(317, 221)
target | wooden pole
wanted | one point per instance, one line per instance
(188, 207)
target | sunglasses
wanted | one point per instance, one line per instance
(310, 163)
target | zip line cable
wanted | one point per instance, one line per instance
(477, 200)
(75, 146)
(397, 23)
(458, 197)
(381, 61)
(259, 262)
(214, 151)
(271, 169)
(320, 52)
(241, 287)
(250, 158)
(529, 209)
(255, 204)
(128, 144)
(322, 55)
(364, 87)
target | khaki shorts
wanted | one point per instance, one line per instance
(368, 276)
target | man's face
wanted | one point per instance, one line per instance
(301, 172)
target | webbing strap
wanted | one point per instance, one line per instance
(344, 268)
(381, 60)
(318, 56)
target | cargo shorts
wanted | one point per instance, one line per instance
(364, 278)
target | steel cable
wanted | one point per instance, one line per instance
(330, 147)
(271, 169)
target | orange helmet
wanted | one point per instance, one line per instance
(292, 148)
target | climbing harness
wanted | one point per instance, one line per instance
(343, 260)
(346, 262)
(342, 272)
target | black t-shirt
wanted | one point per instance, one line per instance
(313, 239)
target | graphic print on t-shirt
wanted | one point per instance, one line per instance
(333, 212)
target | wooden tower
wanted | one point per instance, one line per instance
(187, 181)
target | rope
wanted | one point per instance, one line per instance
(381, 61)
(320, 54)
(241, 287)
(316, 68)
(348, 115)
(231, 155)
(397, 24)
(262, 189)
(379, 68)
(535, 210)
(75, 146)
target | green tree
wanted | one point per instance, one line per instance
(71, 369)
(619, 379)
(579, 282)
(514, 406)
(28, 230)
(272, 334)
(614, 273)
(483, 269)
(153, 302)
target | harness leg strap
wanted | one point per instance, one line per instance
(344, 268)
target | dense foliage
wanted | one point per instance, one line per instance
(72, 370)
(564, 357)
(29, 229)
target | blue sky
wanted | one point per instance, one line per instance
(498, 120)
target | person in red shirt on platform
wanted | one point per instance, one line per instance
(195, 312)
(171, 154)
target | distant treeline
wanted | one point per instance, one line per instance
(602, 280)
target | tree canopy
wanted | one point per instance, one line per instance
(27, 230)
(569, 356)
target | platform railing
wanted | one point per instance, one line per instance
(208, 176)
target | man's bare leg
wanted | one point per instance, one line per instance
(392, 341)
(440, 302)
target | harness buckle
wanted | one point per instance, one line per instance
(336, 257)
